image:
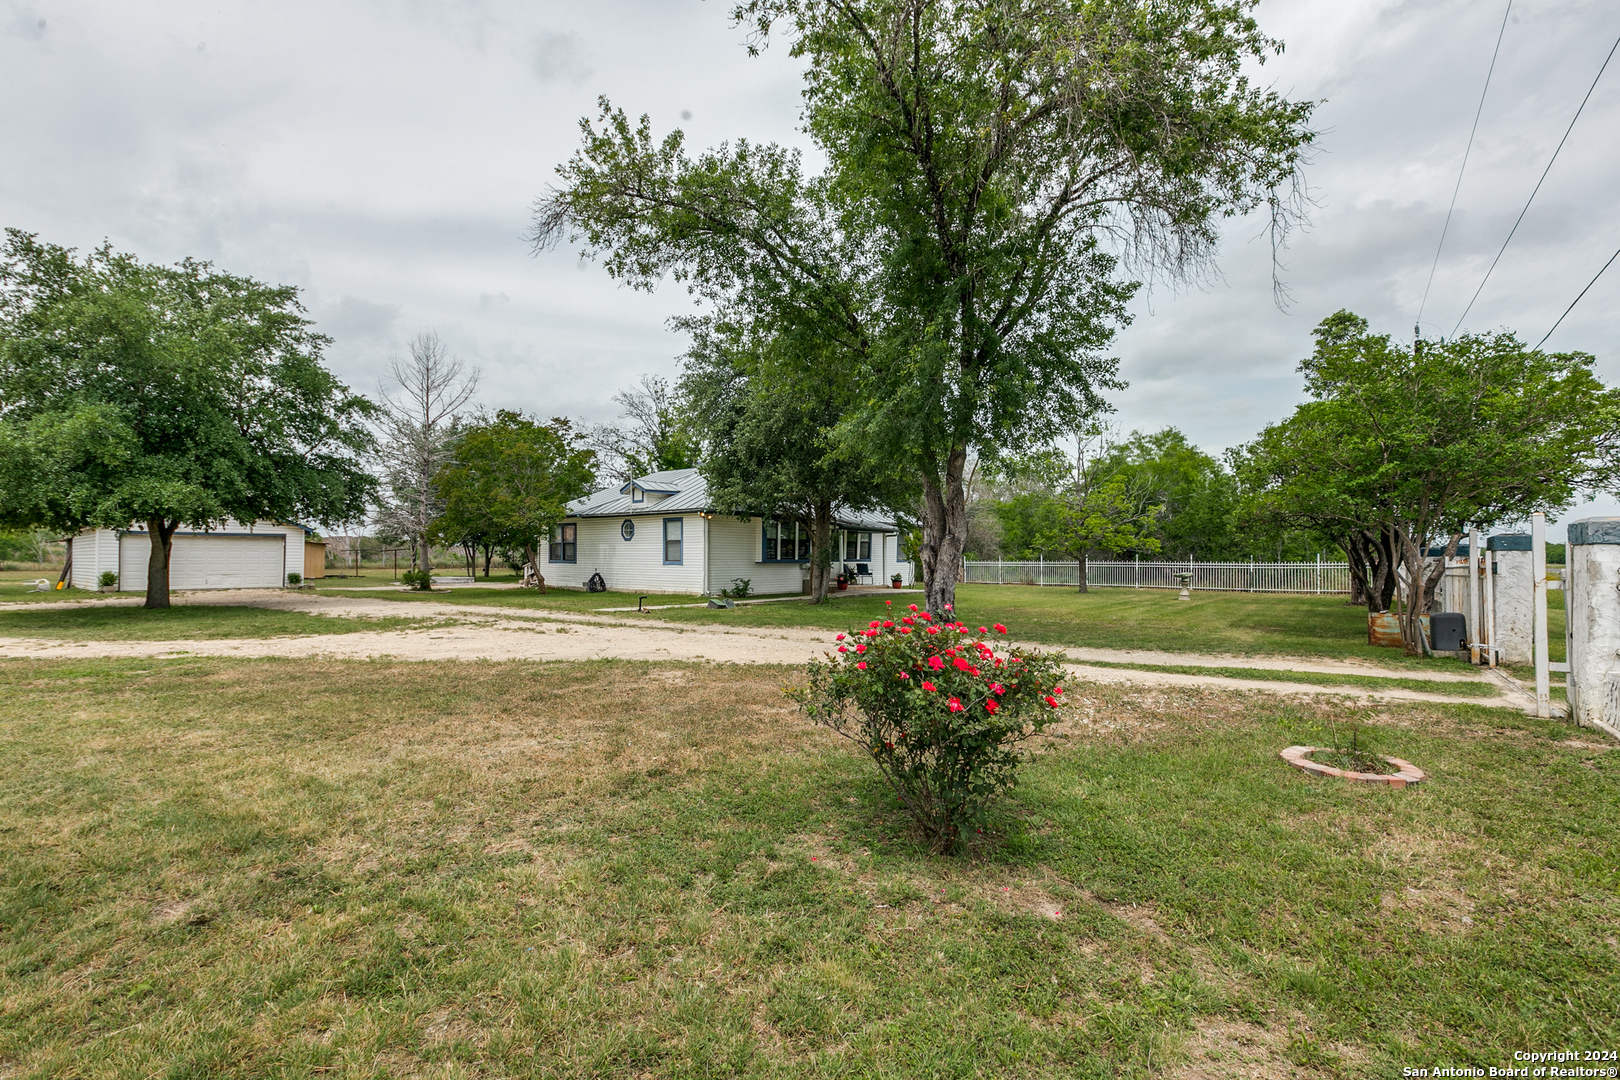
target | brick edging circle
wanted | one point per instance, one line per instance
(1299, 758)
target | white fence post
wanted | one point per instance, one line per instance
(1538, 581)
(1592, 600)
(1473, 595)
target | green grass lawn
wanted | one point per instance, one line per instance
(523, 599)
(1240, 624)
(17, 586)
(216, 868)
(1320, 678)
(74, 622)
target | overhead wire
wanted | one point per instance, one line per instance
(1463, 168)
(1577, 299)
(1537, 188)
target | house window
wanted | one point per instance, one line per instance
(564, 543)
(786, 541)
(851, 549)
(637, 495)
(628, 529)
(672, 540)
(865, 553)
(772, 530)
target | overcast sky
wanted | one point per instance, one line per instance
(383, 157)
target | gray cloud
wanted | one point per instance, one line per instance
(353, 319)
(384, 157)
(558, 58)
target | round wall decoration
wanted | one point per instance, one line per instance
(628, 529)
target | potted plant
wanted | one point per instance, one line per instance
(843, 582)
(108, 581)
(894, 581)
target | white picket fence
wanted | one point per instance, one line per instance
(1302, 577)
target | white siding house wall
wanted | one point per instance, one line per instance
(738, 550)
(631, 565)
(717, 549)
(235, 556)
(93, 552)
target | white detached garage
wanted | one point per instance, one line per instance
(233, 556)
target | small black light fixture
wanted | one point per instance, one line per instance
(639, 599)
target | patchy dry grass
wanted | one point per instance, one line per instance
(274, 868)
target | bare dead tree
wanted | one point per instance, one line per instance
(649, 436)
(420, 422)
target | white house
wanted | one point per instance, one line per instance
(234, 556)
(658, 533)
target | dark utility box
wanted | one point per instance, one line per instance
(1448, 632)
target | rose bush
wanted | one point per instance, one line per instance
(939, 709)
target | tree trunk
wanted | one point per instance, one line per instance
(1082, 565)
(157, 564)
(820, 552)
(489, 551)
(1355, 555)
(944, 522)
(1389, 552)
(1420, 585)
(533, 555)
(427, 556)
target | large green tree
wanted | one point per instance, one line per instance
(1110, 515)
(509, 480)
(1408, 446)
(766, 402)
(987, 166)
(1194, 494)
(171, 396)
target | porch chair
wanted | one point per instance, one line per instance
(863, 574)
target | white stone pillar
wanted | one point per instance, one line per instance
(1513, 594)
(1592, 598)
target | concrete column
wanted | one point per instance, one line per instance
(1514, 596)
(1593, 601)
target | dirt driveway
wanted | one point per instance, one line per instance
(470, 633)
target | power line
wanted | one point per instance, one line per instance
(1466, 150)
(1577, 299)
(1544, 173)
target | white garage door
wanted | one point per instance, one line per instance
(206, 562)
